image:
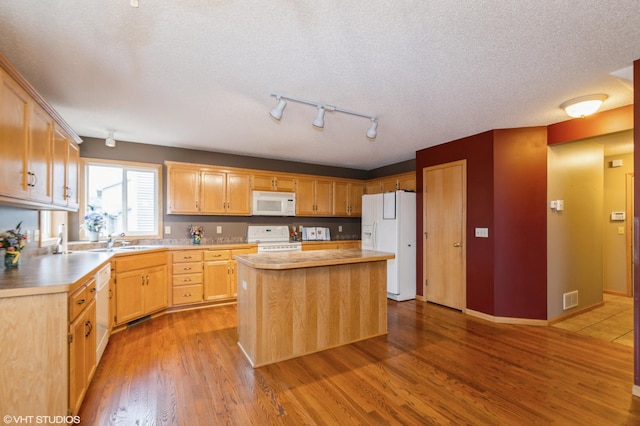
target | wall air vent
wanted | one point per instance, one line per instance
(570, 300)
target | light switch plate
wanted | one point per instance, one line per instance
(482, 232)
(167, 229)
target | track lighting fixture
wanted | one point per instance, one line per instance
(373, 130)
(319, 121)
(276, 112)
(110, 141)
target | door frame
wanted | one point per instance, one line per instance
(425, 170)
(629, 232)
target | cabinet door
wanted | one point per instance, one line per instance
(233, 278)
(407, 182)
(130, 295)
(216, 280)
(305, 199)
(182, 190)
(14, 110)
(389, 185)
(340, 199)
(285, 184)
(76, 363)
(263, 183)
(72, 193)
(155, 289)
(89, 343)
(212, 192)
(355, 198)
(324, 197)
(59, 168)
(39, 174)
(238, 194)
(373, 187)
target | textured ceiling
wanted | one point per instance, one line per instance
(199, 74)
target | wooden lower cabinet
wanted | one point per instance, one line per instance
(330, 245)
(141, 286)
(82, 343)
(186, 280)
(219, 273)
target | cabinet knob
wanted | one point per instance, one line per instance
(81, 301)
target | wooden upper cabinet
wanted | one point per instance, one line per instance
(314, 197)
(266, 182)
(347, 198)
(39, 175)
(407, 181)
(183, 189)
(14, 112)
(193, 189)
(65, 170)
(28, 150)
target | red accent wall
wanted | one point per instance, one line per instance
(506, 192)
(520, 223)
(478, 151)
(602, 123)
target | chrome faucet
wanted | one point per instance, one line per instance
(111, 240)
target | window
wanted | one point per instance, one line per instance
(126, 195)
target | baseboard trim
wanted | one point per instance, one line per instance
(616, 293)
(421, 298)
(635, 390)
(507, 320)
(576, 313)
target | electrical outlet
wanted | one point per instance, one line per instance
(36, 235)
(339, 228)
(218, 229)
(167, 229)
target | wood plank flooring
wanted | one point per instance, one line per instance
(436, 366)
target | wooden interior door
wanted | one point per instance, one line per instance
(444, 240)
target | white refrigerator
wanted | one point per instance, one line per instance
(389, 225)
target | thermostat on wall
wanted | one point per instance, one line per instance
(617, 216)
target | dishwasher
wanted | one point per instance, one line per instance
(103, 276)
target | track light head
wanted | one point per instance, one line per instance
(373, 130)
(110, 141)
(319, 121)
(277, 111)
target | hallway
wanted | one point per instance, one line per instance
(612, 322)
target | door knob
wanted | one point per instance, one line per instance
(457, 244)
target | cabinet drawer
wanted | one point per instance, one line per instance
(245, 251)
(140, 261)
(187, 256)
(187, 268)
(78, 301)
(217, 255)
(187, 294)
(187, 279)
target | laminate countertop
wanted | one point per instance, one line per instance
(55, 273)
(309, 259)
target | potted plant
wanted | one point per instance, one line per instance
(12, 241)
(94, 223)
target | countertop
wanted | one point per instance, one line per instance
(55, 273)
(308, 259)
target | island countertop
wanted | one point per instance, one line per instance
(309, 259)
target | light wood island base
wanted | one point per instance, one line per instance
(293, 304)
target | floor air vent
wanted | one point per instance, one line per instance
(570, 300)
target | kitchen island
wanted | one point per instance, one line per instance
(296, 303)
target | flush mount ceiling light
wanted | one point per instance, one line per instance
(110, 141)
(583, 106)
(276, 112)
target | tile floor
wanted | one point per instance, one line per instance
(612, 322)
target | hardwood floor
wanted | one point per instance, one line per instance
(436, 366)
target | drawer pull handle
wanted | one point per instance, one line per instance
(187, 257)
(187, 269)
(80, 302)
(92, 290)
(187, 280)
(217, 255)
(186, 295)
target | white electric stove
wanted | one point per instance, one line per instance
(272, 238)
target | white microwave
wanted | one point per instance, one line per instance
(265, 203)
